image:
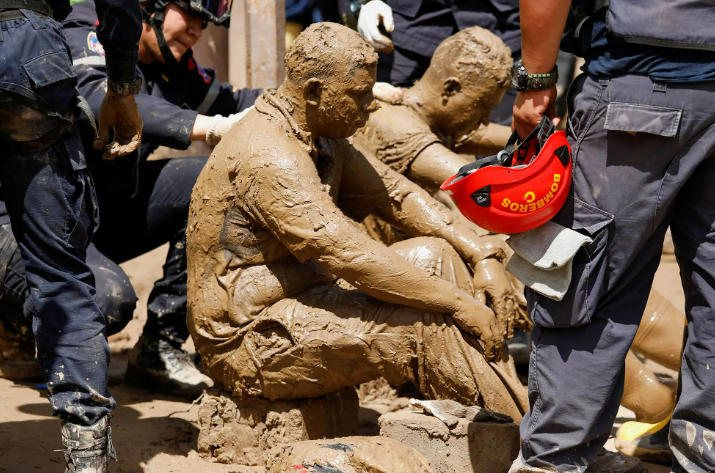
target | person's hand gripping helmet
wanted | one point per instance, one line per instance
(520, 188)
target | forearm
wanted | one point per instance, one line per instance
(418, 214)
(434, 165)
(119, 31)
(485, 141)
(542, 25)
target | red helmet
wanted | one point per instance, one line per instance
(518, 189)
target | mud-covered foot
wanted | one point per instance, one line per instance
(87, 449)
(649, 442)
(165, 366)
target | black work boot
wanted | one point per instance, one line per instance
(164, 365)
(88, 449)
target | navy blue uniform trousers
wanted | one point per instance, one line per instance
(52, 206)
(644, 159)
(130, 227)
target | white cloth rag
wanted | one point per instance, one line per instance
(543, 258)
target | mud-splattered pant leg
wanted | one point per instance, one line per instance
(637, 150)
(157, 214)
(692, 430)
(330, 337)
(115, 295)
(52, 207)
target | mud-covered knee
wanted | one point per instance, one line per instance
(437, 257)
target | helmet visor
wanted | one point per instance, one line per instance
(215, 11)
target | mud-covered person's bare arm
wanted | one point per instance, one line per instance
(286, 197)
(404, 204)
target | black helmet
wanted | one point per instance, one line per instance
(215, 11)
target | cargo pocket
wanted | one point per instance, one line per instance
(53, 78)
(588, 280)
(640, 118)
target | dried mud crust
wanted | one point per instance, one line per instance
(242, 431)
(479, 447)
(348, 455)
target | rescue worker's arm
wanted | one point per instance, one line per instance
(119, 31)
(407, 206)
(285, 195)
(165, 124)
(484, 141)
(218, 104)
(542, 25)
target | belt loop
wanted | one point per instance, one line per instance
(659, 86)
(34, 19)
(603, 83)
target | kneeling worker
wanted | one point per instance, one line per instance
(143, 204)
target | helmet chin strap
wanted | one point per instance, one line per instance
(155, 22)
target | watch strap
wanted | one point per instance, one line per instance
(125, 88)
(523, 80)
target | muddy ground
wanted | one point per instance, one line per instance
(152, 433)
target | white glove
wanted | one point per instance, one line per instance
(450, 412)
(371, 15)
(387, 93)
(220, 125)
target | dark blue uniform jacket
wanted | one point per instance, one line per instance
(170, 100)
(421, 25)
(119, 33)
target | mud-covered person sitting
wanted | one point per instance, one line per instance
(445, 115)
(288, 297)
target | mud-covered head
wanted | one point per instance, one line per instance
(330, 72)
(468, 75)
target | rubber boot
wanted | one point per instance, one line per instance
(88, 449)
(161, 364)
(650, 399)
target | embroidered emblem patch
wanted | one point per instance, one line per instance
(94, 45)
(204, 74)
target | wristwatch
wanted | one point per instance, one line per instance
(521, 80)
(125, 88)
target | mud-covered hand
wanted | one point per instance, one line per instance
(220, 125)
(493, 287)
(120, 113)
(372, 15)
(387, 93)
(450, 412)
(476, 318)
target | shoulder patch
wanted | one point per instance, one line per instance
(204, 74)
(94, 45)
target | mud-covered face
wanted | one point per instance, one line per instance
(468, 108)
(341, 107)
